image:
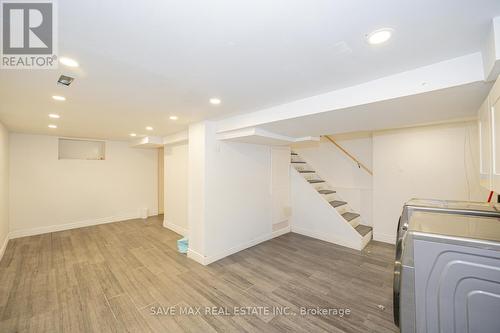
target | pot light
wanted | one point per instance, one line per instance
(149, 128)
(68, 62)
(215, 101)
(173, 117)
(379, 36)
(133, 134)
(59, 98)
(52, 126)
(54, 116)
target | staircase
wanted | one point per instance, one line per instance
(329, 194)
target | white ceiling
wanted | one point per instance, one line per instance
(144, 61)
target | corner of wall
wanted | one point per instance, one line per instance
(385, 238)
(4, 191)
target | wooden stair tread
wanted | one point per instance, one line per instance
(315, 181)
(349, 216)
(326, 191)
(337, 203)
(294, 154)
(363, 229)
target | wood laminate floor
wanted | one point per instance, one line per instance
(124, 276)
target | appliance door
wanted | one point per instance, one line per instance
(457, 286)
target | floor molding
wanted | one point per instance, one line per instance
(204, 260)
(4, 246)
(61, 227)
(176, 228)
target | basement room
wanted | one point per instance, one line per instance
(250, 166)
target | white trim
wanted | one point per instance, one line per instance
(257, 135)
(177, 138)
(148, 142)
(135, 214)
(204, 260)
(384, 238)
(238, 248)
(4, 246)
(330, 239)
(175, 228)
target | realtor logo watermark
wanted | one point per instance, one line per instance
(29, 34)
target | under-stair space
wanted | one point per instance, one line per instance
(343, 213)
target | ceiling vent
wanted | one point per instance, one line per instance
(65, 80)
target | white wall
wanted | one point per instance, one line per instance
(352, 184)
(230, 194)
(48, 194)
(4, 188)
(239, 198)
(176, 188)
(438, 162)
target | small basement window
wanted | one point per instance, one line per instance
(74, 149)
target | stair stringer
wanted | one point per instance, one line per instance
(313, 216)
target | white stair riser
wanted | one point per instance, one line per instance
(355, 222)
(343, 209)
(309, 176)
(332, 197)
(366, 239)
(321, 186)
(301, 166)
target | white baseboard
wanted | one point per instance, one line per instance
(210, 259)
(133, 214)
(384, 238)
(329, 239)
(176, 228)
(238, 248)
(4, 246)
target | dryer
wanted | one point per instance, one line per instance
(447, 267)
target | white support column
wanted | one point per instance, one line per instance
(197, 178)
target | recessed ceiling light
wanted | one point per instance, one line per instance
(149, 128)
(173, 117)
(379, 36)
(59, 98)
(54, 116)
(68, 62)
(215, 101)
(52, 126)
(133, 134)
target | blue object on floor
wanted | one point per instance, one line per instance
(182, 245)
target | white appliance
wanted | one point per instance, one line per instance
(447, 267)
